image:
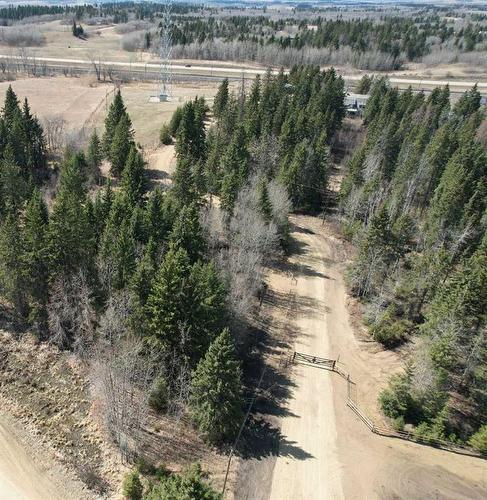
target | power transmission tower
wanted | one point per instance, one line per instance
(165, 53)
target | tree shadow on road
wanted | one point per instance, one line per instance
(263, 440)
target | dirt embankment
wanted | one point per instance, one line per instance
(323, 450)
(45, 393)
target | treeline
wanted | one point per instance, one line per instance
(120, 12)
(19, 12)
(400, 38)
(415, 200)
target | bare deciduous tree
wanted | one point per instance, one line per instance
(71, 314)
(122, 371)
(121, 375)
(55, 131)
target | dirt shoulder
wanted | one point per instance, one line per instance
(28, 470)
(45, 394)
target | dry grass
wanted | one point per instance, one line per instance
(82, 102)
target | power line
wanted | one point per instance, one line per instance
(165, 53)
(249, 409)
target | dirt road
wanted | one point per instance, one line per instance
(24, 477)
(314, 471)
(333, 454)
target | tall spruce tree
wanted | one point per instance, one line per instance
(187, 233)
(12, 282)
(121, 144)
(35, 258)
(94, 157)
(71, 242)
(134, 180)
(116, 111)
(221, 100)
(216, 392)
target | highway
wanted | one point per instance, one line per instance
(150, 71)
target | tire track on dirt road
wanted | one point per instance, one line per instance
(308, 466)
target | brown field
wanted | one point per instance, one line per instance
(82, 102)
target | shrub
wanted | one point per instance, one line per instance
(159, 395)
(390, 330)
(423, 432)
(396, 400)
(165, 135)
(479, 440)
(188, 485)
(132, 42)
(398, 423)
(26, 36)
(132, 487)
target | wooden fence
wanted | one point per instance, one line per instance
(307, 359)
(332, 365)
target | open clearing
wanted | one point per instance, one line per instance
(82, 102)
(325, 451)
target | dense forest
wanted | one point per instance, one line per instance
(415, 203)
(394, 36)
(118, 12)
(153, 288)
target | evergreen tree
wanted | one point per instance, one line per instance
(11, 107)
(101, 209)
(116, 111)
(143, 276)
(175, 121)
(70, 235)
(468, 104)
(12, 283)
(265, 204)
(160, 213)
(187, 234)
(216, 392)
(235, 168)
(35, 258)
(221, 100)
(134, 180)
(34, 144)
(121, 145)
(252, 110)
(14, 188)
(166, 305)
(184, 187)
(165, 135)
(190, 144)
(291, 175)
(94, 158)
